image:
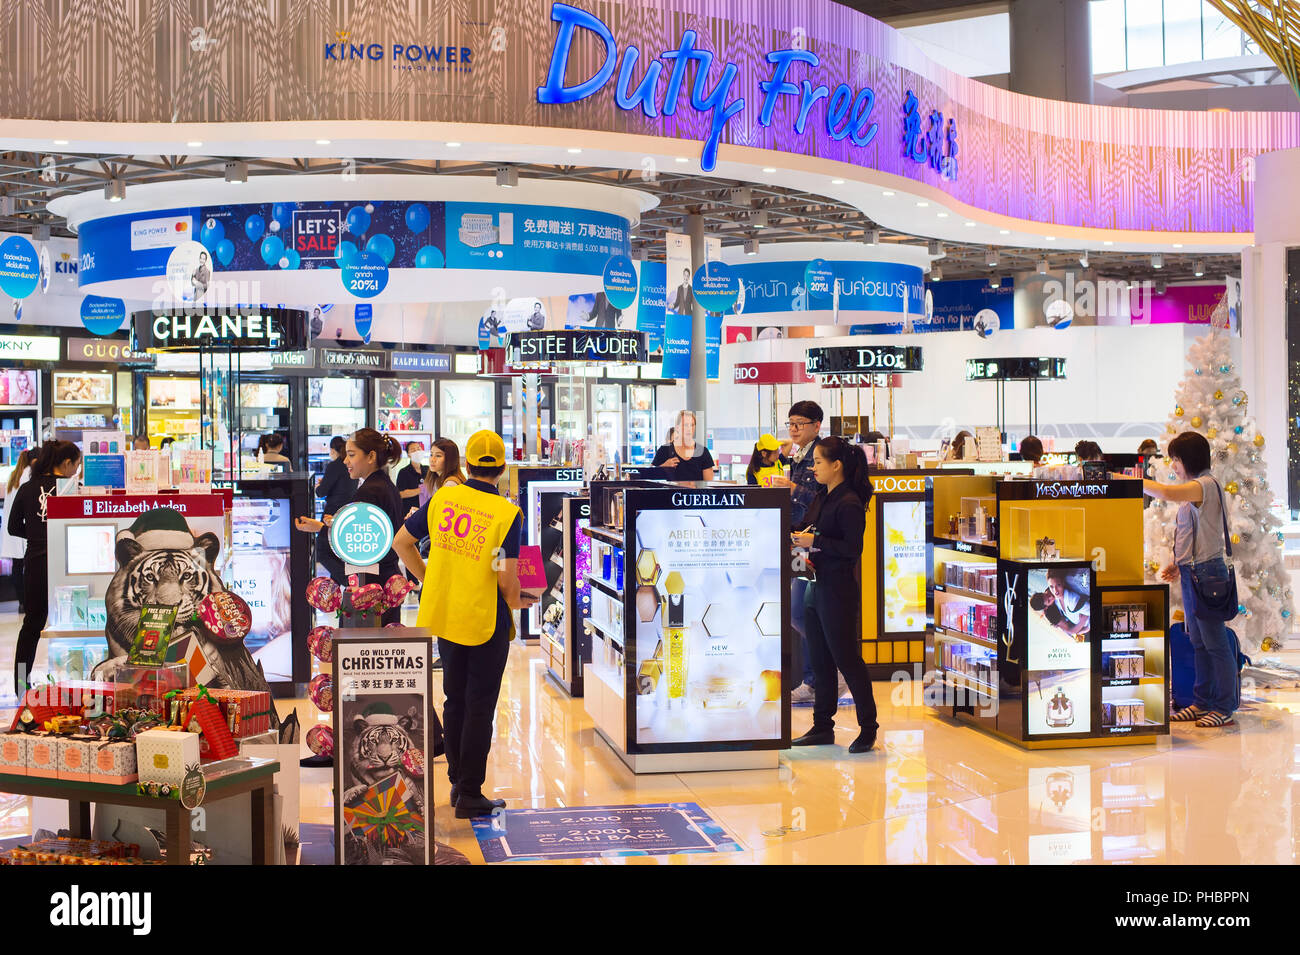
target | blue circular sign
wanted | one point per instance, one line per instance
(621, 284)
(365, 275)
(20, 267)
(102, 316)
(361, 534)
(716, 286)
(819, 279)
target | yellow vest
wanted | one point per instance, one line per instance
(466, 530)
(762, 474)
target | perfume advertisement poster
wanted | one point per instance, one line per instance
(1060, 815)
(903, 558)
(381, 744)
(546, 529)
(708, 625)
(1059, 621)
(259, 571)
(1060, 702)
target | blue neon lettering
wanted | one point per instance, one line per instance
(716, 103)
(777, 85)
(570, 18)
(836, 109)
(863, 104)
(810, 96)
(645, 90)
(685, 51)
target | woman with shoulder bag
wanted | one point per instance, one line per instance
(1209, 585)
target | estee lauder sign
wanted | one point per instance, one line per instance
(578, 345)
(186, 329)
(113, 351)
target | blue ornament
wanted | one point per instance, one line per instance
(272, 248)
(358, 221)
(1224, 369)
(1241, 608)
(345, 253)
(212, 233)
(417, 217)
(429, 257)
(1198, 371)
(282, 212)
(290, 260)
(382, 246)
(254, 226)
(1238, 429)
(225, 251)
(1285, 614)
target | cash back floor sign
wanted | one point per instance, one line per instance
(589, 832)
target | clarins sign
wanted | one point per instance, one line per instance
(108, 351)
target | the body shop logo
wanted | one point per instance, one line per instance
(404, 54)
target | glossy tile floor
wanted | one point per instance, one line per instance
(932, 792)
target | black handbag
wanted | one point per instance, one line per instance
(1216, 601)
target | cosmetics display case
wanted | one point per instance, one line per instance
(1043, 632)
(539, 492)
(564, 636)
(689, 622)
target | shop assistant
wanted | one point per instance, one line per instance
(367, 456)
(833, 534)
(473, 548)
(687, 460)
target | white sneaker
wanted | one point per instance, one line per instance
(843, 691)
(803, 693)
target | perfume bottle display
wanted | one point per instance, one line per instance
(1060, 701)
(1060, 709)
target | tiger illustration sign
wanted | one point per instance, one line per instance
(383, 746)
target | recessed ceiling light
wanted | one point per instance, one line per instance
(769, 169)
(886, 192)
(453, 145)
(1178, 245)
(322, 142)
(923, 204)
(575, 149)
(1049, 238)
(194, 143)
(943, 215)
(1108, 242)
(969, 224)
(60, 142)
(682, 159)
(837, 182)
(1004, 231)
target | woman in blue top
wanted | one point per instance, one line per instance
(1199, 546)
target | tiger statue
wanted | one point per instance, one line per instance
(160, 562)
(379, 741)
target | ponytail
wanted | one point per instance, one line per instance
(856, 470)
(50, 455)
(384, 446)
(22, 464)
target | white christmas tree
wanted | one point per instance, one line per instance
(1210, 400)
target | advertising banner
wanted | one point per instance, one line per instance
(903, 558)
(1059, 637)
(679, 306)
(383, 741)
(650, 304)
(708, 628)
(259, 570)
(775, 288)
(1178, 304)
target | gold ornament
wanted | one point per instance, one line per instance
(1236, 538)
(1231, 487)
(1196, 421)
(1218, 396)
(1232, 448)
(1212, 433)
(1259, 440)
(1178, 412)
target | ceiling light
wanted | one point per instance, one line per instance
(1198, 267)
(60, 142)
(992, 260)
(322, 142)
(681, 159)
(1004, 231)
(758, 218)
(6, 205)
(453, 145)
(1044, 266)
(1049, 238)
(887, 192)
(194, 143)
(1108, 242)
(969, 224)
(115, 190)
(922, 204)
(742, 196)
(995, 281)
(1157, 260)
(936, 274)
(769, 169)
(873, 237)
(1083, 258)
(943, 215)
(935, 247)
(751, 247)
(574, 149)
(1178, 245)
(236, 171)
(507, 177)
(1161, 285)
(837, 182)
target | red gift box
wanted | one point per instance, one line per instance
(254, 709)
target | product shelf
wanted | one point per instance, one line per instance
(605, 536)
(967, 637)
(600, 583)
(963, 592)
(1145, 680)
(975, 548)
(607, 632)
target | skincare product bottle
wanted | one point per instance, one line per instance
(674, 638)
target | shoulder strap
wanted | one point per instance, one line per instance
(1223, 513)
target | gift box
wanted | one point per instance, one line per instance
(1123, 713)
(113, 763)
(161, 756)
(43, 756)
(149, 686)
(74, 758)
(13, 754)
(245, 712)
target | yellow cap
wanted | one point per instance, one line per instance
(485, 449)
(768, 442)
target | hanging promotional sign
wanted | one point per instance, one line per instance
(365, 275)
(102, 316)
(679, 306)
(650, 305)
(819, 280)
(712, 345)
(620, 280)
(189, 329)
(381, 703)
(840, 286)
(362, 318)
(1014, 369)
(716, 286)
(578, 345)
(361, 534)
(863, 358)
(20, 267)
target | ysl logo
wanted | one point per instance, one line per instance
(1010, 583)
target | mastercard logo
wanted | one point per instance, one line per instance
(182, 225)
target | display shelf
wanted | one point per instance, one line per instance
(605, 536)
(1135, 635)
(1146, 679)
(959, 681)
(976, 548)
(607, 676)
(967, 637)
(607, 632)
(601, 584)
(964, 593)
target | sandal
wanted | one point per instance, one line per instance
(1212, 720)
(1188, 714)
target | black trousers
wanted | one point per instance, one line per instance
(471, 678)
(835, 643)
(331, 561)
(36, 604)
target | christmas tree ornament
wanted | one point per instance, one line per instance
(1239, 399)
(1232, 447)
(1198, 371)
(1196, 421)
(1236, 538)
(1231, 487)
(1218, 396)
(1225, 369)
(1238, 429)
(1212, 433)
(1259, 440)
(1178, 412)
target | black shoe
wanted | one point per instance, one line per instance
(436, 664)
(470, 807)
(815, 738)
(455, 796)
(865, 741)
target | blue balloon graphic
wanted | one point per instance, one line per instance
(212, 233)
(382, 246)
(282, 212)
(345, 253)
(272, 247)
(254, 226)
(290, 259)
(429, 257)
(417, 217)
(225, 251)
(358, 220)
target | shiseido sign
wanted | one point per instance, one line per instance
(578, 345)
(244, 329)
(863, 358)
(770, 373)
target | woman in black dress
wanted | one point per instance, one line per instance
(367, 456)
(687, 460)
(833, 529)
